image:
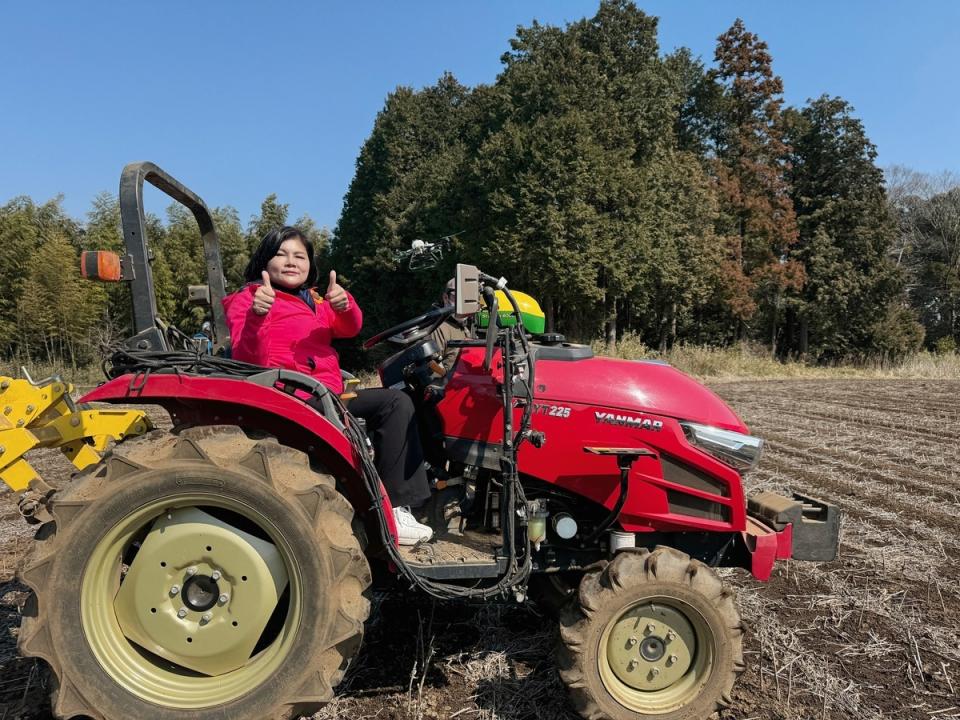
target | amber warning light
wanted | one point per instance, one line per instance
(100, 265)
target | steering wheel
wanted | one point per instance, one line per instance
(412, 330)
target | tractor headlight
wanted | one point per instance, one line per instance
(739, 451)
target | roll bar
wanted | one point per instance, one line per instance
(148, 336)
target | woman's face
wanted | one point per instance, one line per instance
(290, 266)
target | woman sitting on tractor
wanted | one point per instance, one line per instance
(279, 319)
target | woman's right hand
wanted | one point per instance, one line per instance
(264, 297)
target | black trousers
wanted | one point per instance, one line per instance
(392, 426)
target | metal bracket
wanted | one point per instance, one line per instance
(38, 415)
(127, 273)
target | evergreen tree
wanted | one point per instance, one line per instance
(627, 191)
(845, 233)
(756, 217)
(165, 285)
(104, 232)
(182, 252)
(564, 179)
(929, 220)
(404, 188)
(684, 268)
(273, 216)
(233, 246)
(319, 236)
(699, 97)
(181, 261)
(58, 309)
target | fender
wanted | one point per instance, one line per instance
(192, 400)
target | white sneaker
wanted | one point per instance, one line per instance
(409, 531)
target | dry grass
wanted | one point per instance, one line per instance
(746, 361)
(83, 378)
(481, 662)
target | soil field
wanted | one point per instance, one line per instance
(874, 635)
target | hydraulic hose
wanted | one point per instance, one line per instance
(142, 363)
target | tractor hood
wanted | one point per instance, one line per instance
(633, 385)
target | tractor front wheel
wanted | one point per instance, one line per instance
(196, 575)
(652, 635)
(552, 591)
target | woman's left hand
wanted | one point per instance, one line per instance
(336, 295)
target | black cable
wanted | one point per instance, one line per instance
(123, 361)
(514, 575)
(142, 363)
(615, 512)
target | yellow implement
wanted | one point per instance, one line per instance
(43, 415)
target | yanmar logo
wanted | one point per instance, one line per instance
(629, 421)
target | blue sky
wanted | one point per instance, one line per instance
(241, 99)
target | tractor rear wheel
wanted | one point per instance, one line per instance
(205, 574)
(653, 635)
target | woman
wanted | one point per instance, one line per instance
(280, 320)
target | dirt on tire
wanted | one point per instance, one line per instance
(664, 578)
(289, 504)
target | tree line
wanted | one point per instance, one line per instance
(637, 192)
(629, 191)
(49, 313)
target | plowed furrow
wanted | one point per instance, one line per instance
(934, 486)
(830, 419)
(933, 456)
(870, 399)
(864, 501)
(889, 397)
(900, 422)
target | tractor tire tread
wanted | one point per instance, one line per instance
(291, 476)
(600, 592)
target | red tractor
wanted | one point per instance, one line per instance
(222, 569)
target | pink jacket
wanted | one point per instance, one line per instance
(291, 335)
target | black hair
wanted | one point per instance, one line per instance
(268, 248)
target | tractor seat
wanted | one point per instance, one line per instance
(304, 387)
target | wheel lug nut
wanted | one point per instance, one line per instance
(182, 613)
(223, 598)
(655, 671)
(175, 589)
(671, 635)
(632, 665)
(215, 575)
(651, 627)
(191, 571)
(672, 659)
(632, 641)
(206, 617)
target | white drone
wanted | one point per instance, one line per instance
(423, 254)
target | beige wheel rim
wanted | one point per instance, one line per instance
(116, 617)
(656, 655)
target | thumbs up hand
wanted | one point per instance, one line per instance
(265, 295)
(336, 295)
